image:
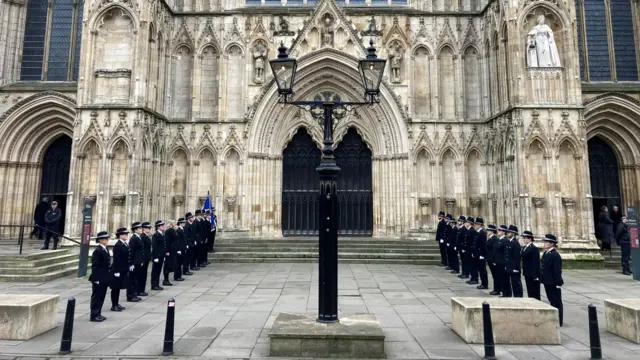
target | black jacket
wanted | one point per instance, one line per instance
(530, 261)
(490, 248)
(552, 268)
(442, 225)
(500, 251)
(470, 240)
(462, 238)
(480, 245)
(171, 240)
(605, 224)
(452, 236)
(181, 239)
(158, 246)
(191, 234)
(136, 250)
(38, 214)
(622, 234)
(52, 219)
(100, 265)
(120, 265)
(146, 247)
(512, 256)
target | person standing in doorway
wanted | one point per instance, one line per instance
(616, 216)
(552, 274)
(52, 225)
(38, 218)
(623, 239)
(100, 266)
(605, 224)
(531, 265)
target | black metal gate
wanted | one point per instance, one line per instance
(300, 186)
(55, 173)
(605, 177)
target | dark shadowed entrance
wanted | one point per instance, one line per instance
(605, 177)
(55, 174)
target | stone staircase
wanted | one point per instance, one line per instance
(38, 266)
(350, 250)
(612, 260)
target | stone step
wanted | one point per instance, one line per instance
(315, 260)
(41, 278)
(340, 243)
(34, 256)
(341, 255)
(315, 249)
(38, 262)
(47, 269)
(314, 239)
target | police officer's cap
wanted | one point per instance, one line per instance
(159, 223)
(198, 212)
(146, 225)
(188, 215)
(441, 213)
(470, 220)
(479, 221)
(492, 228)
(528, 234)
(122, 231)
(136, 225)
(550, 238)
(503, 228)
(54, 203)
(462, 218)
(207, 211)
(513, 229)
(181, 221)
(102, 235)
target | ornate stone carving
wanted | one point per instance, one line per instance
(201, 200)
(327, 30)
(568, 202)
(118, 199)
(112, 73)
(538, 202)
(259, 54)
(177, 200)
(372, 30)
(450, 202)
(542, 50)
(90, 199)
(231, 200)
(424, 201)
(475, 202)
(284, 28)
(396, 52)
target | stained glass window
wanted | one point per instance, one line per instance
(579, 40)
(60, 40)
(34, 35)
(624, 46)
(597, 39)
(76, 57)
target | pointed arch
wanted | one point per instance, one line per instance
(447, 77)
(341, 131)
(231, 148)
(453, 151)
(177, 148)
(198, 153)
(95, 21)
(422, 148)
(300, 123)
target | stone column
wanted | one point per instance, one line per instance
(540, 219)
(569, 205)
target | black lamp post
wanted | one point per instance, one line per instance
(284, 71)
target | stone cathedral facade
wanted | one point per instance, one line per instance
(500, 108)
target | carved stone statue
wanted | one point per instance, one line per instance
(327, 31)
(546, 50)
(396, 63)
(259, 54)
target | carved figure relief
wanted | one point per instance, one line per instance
(396, 53)
(542, 50)
(327, 30)
(259, 54)
(372, 30)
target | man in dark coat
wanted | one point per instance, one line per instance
(452, 250)
(469, 244)
(158, 253)
(552, 274)
(531, 265)
(171, 240)
(188, 245)
(136, 259)
(214, 229)
(623, 239)
(512, 257)
(616, 216)
(180, 248)
(206, 237)
(52, 225)
(191, 230)
(605, 224)
(460, 244)
(100, 276)
(146, 256)
(38, 218)
(119, 269)
(201, 234)
(500, 258)
(480, 253)
(440, 229)
(492, 242)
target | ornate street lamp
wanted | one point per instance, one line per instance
(371, 71)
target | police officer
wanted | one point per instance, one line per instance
(100, 276)
(469, 245)
(452, 250)
(207, 236)
(623, 239)
(531, 265)
(180, 246)
(202, 238)
(440, 230)
(512, 256)
(120, 268)
(146, 256)
(136, 257)
(480, 253)
(492, 242)
(52, 225)
(499, 256)
(214, 227)
(191, 232)
(171, 240)
(158, 253)
(460, 244)
(552, 274)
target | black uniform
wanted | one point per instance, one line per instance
(499, 255)
(120, 272)
(461, 241)
(531, 270)
(624, 240)
(491, 260)
(181, 246)
(190, 231)
(136, 258)
(512, 268)
(480, 256)
(170, 238)
(144, 269)
(100, 277)
(158, 251)
(552, 279)
(205, 229)
(452, 236)
(52, 224)
(470, 243)
(440, 230)
(38, 219)
(214, 227)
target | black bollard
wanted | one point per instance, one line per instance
(594, 334)
(67, 331)
(489, 346)
(167, 349)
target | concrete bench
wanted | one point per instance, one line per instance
(25, 316)
(515, 320)
(623, 318)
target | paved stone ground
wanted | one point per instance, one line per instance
(226, 311)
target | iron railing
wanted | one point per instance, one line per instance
(15, 235)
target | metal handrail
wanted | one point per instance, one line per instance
(20, 235)
(59, 235)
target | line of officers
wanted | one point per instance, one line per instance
(179, 247)
(466, 249)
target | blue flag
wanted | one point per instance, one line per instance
(207, 203)
(208, 207)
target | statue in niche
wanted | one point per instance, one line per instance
(327, 31)
(259, 54)
(373, 29)
(396, 63)
(541, 39)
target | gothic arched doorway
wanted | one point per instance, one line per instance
(605, 176)
(55, 173)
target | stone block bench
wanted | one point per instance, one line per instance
(623, 318)
(515, 320)
(25, 316)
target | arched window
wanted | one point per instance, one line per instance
(52, 38)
